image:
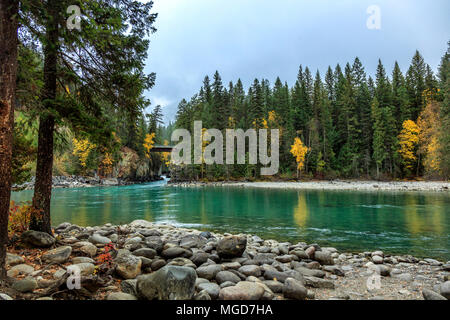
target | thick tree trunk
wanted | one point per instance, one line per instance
(40, 220)
(8, 70)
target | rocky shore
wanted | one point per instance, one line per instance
(351, 185)
(83, 182)
(146, 261)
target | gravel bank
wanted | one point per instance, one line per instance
(355, 185)
(149, 261)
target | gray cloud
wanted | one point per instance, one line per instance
(250, 39)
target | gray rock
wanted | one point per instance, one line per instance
(294, 289)
(227, 276)
(334, 270)
(128, 266)
(310, 272)
(231, 246)
(98, 239)
(227, 284)
(13, 259)
(212, 289)
(286, 258)
(37, 239)
(129, 286)
(120, 296)
(300, 253)
(199, 258)
(145, 252)
(250, 270)
(377, 259)
(244, 290)
(168, 283)
(206, 234)
(4, 296)
(231, 265)
(76, 260)
(445, 289)
(192, 241)
(275, 286)
(174, 252)
(158, 264)
(58, 255)
(323, 257)
(20, 269)
(25, 285)
(209, 272)
(86, 248)
(318, 283)
(431, 295)
(155, 243)
(182, 262)
(202, 295)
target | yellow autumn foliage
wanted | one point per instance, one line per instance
(408, 141)
(299, 151)
(81, 149)
(148, 143)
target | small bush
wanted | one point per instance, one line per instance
(19, 218)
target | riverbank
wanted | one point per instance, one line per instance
(83, 182)
(351, 185)
(135, 261)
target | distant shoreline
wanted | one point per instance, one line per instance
(350, 185)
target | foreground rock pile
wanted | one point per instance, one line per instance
(163, 262)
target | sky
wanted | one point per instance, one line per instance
(250, 39)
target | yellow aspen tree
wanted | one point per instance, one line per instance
(299, 151)
(430, 129)
(408, 141)
(148, 144)
(82, 148)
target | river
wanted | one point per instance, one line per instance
(416, 223)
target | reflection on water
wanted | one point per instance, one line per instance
(414, 223)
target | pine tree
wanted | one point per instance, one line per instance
(399, 97)
(444, 137)
(415, 85)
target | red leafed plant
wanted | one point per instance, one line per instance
(106, 257)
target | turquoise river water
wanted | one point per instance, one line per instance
(416, 223)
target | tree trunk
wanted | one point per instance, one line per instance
(8, 71)
(40, 220)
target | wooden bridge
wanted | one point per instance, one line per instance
(160, 148)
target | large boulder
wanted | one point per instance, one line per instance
(244, 290)
(445, 289)
(294, 289)
(128, 266)
(168, 283)
(58, 255)
(37, 239)
(231, 246)
(431, 295)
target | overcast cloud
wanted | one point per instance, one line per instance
(250, 39)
